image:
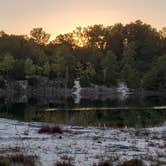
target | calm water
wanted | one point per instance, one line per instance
(139, 114)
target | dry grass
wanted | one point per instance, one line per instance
(63, 163)
(50, 130)
(104, 163)
(133, 162)
(18, 160)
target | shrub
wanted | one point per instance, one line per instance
(63, 163)
(104, 163)
(18, 159)
(133, 162)
(50, 130)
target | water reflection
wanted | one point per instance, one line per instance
(110, 118)
(79, 98)
(34, 108)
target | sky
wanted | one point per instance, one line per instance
(62, 16)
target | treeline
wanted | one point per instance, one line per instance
(134, 53)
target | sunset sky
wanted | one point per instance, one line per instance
(61, 16)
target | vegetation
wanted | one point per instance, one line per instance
(17, 160)
(133, 162)
(104, 163)
(63, 163)
(51, 130)
(103, 55)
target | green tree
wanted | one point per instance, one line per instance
(39, 36)
(18, 70)
(46, 69)
(29, 67)
(39, 57)
(7, 63)
(96, 36)
(97, 54)
(155, 79)
(86, 73)
(115, 37)
(109, 65)
(62, 63)
(163, 32)
(129, 72)
(66, 39)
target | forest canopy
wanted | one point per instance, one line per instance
(134, 53)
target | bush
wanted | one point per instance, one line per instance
(18, 160)
(63, 163)
(133, 162)
(104, 163)
(50, 130)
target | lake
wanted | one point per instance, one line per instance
(134, 111)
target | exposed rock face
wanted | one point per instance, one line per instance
(76, 92)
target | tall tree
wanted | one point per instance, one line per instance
(110, 68)
(128, 71)
(163, 32)
(39, 36)
(155, 79)
(66, 39)
(7, 63)
(29, 67)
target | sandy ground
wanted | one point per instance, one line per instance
(86, 145)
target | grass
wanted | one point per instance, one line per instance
(63, 163)
(50, 130)
(105, 163)
(133, 162)
(18, 160)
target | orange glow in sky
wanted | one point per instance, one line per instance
(61, 16)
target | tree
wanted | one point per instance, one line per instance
(29, 67)
(79, 36)
(96, 36)
(155, 79)
(85, 72)
(39, 36)
(39, 57)
(90, 71)
(147, 42)
(18, 70)
(115, 37)
(66, 39)
(2, 33)
(128, 71)
(46, 69)
(96, 54)
(7, 63)
(62, 63)
(163, 32)
(110, 68)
